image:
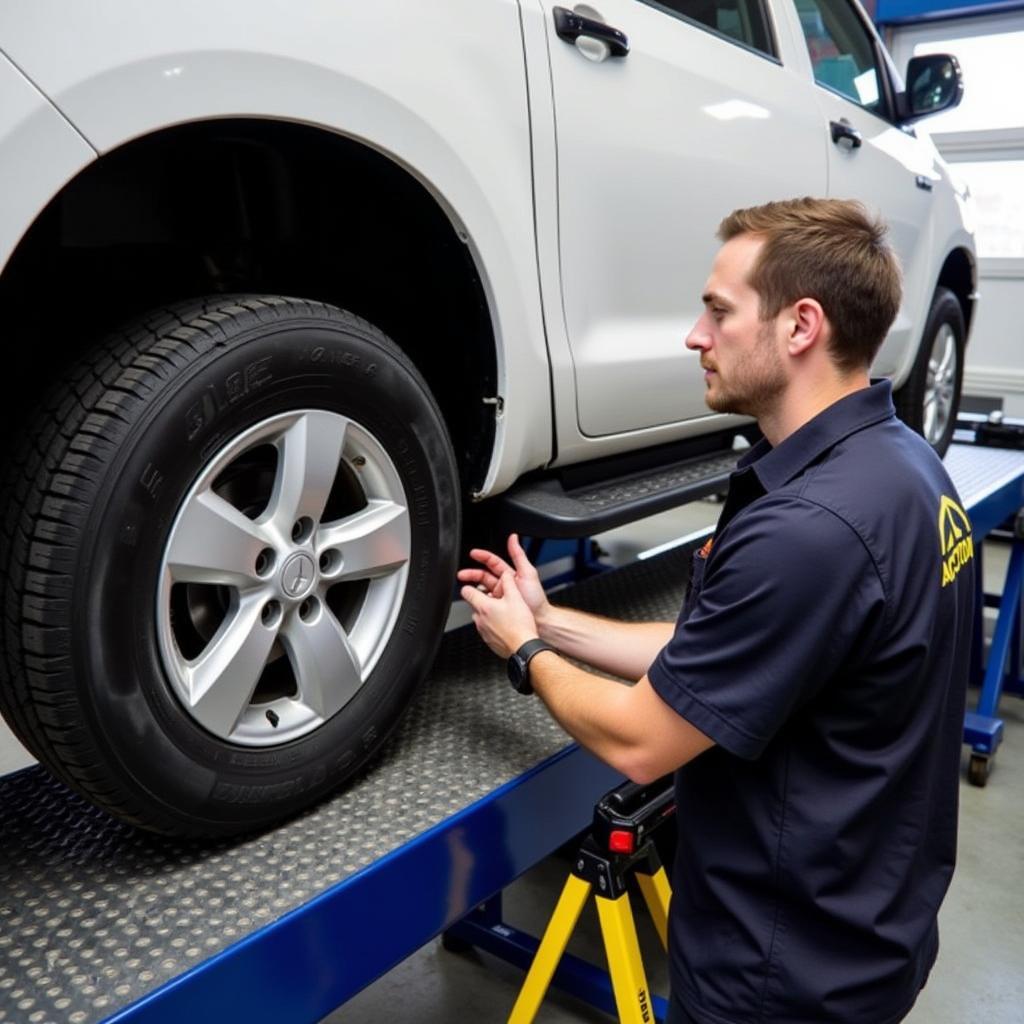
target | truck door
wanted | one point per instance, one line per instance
(702, 116)
(869, 155)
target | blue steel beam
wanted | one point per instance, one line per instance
(908, 12)
(1007, 626)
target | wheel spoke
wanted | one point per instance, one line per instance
(213, 542)
(222, 679)
(948, 355)
(326, 668)
(373, 542)
(309, 454)
(940, 384)
(930, 415)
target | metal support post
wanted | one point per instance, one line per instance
(983, 729)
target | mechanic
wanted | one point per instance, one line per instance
(811, 694)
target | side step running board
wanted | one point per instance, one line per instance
(544, 507)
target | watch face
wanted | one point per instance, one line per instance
(516, 669)
(519, 665)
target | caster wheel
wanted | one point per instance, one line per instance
(454, 944)
(978, 769)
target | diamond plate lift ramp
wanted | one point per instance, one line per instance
(100, 922)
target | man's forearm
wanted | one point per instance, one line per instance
(627, 726)
(624, 649)
(589, 708)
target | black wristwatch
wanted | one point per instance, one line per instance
(519, 664)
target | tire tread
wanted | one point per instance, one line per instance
(50, 483)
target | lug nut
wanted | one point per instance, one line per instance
(302, 530)
(330, 561)
(271, 613)
(265, 562)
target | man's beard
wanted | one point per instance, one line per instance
(755, 382)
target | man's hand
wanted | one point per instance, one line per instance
(488, 579)
(505, 621)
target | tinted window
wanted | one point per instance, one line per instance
(742, 21)
(842, 51)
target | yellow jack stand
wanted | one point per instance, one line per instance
(618, 847)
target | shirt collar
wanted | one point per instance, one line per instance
(777, 466)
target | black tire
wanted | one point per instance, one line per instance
(90, 505)
(923, 394)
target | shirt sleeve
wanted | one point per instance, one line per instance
(791, 595)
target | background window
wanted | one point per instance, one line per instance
(982, 138)
(842, 51)
(986, 52)
(999, 205)
(742, 21)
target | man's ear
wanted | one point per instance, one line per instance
(808, 326)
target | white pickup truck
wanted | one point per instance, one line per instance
(291, 291)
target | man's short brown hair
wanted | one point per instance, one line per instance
(830, 250)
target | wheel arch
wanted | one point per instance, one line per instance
(249, 204)
(959, 275)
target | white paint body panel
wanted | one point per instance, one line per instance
(653, 150)
(39, 153)
(588, 193)
(439, 88)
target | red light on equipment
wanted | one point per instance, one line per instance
(620, 841)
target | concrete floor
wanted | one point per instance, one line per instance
(979, 975)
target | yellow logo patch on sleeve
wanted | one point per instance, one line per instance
(955, 541)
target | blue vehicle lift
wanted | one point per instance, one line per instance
(100, 922)
(990, 480)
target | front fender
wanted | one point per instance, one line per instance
(40, 150)
(440, 89)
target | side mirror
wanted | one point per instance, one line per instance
(934, 83)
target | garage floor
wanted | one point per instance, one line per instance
(980, 971)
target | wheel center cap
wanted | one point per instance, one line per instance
(298, 575)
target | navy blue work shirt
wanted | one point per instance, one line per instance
(824, 648)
